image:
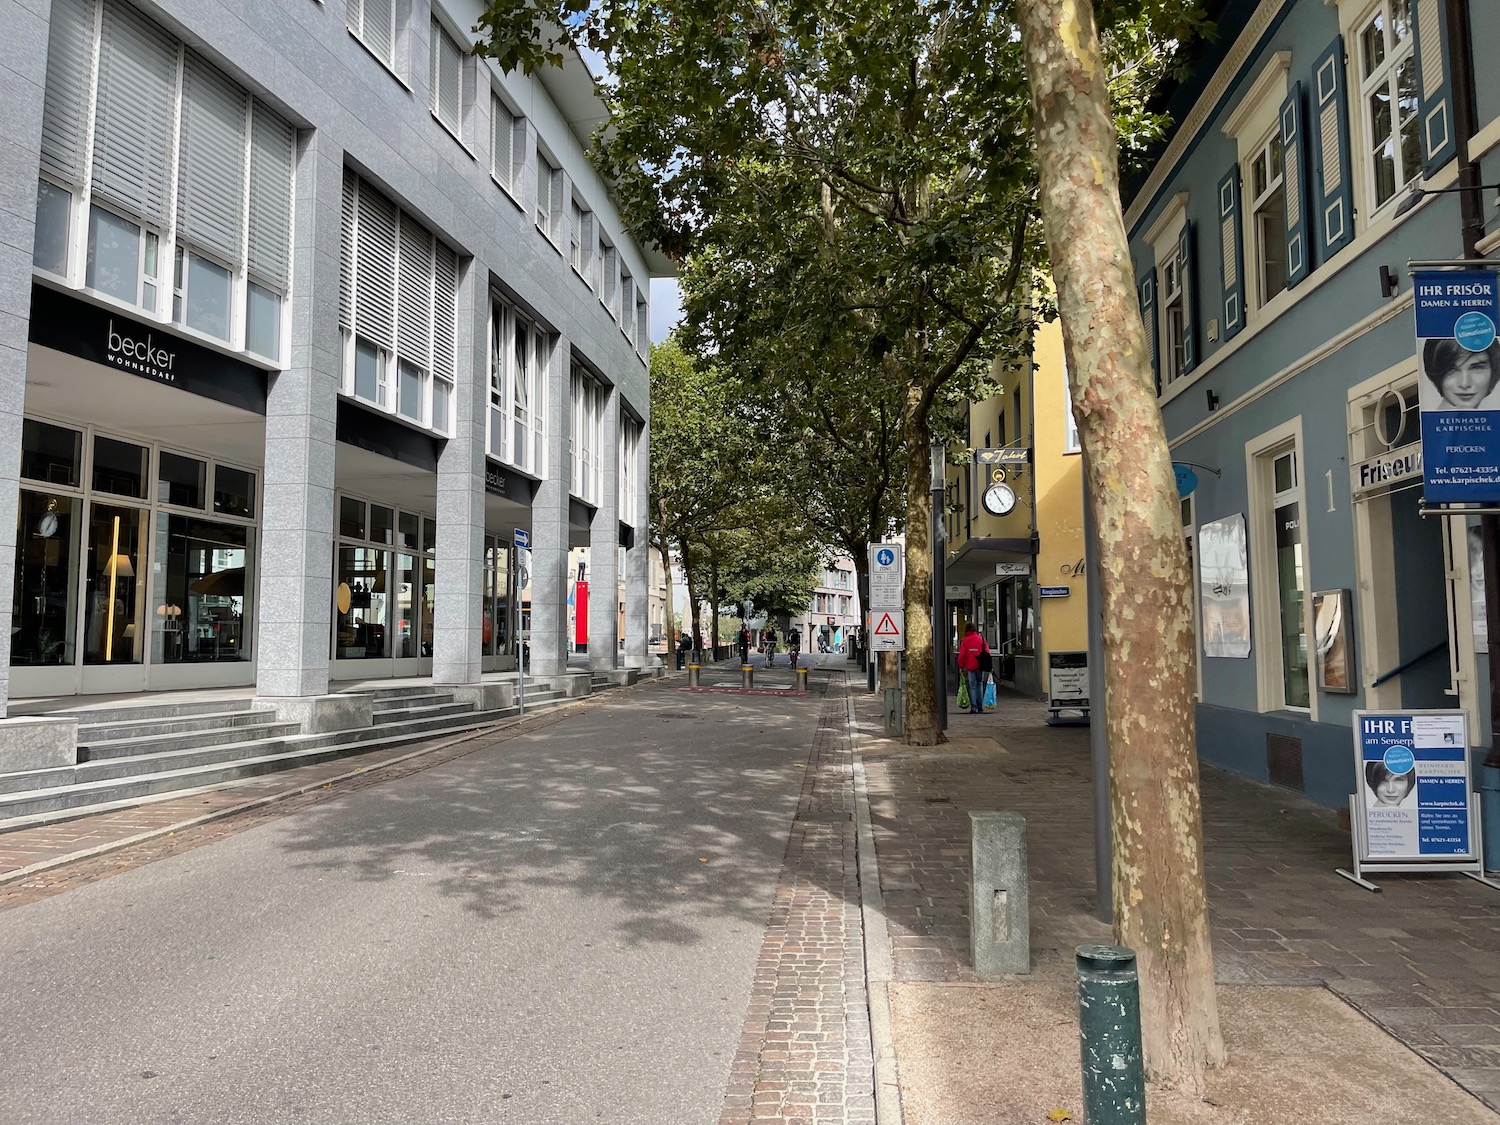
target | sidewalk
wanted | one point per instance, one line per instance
(1310, 967)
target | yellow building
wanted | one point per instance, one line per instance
(1014, 521)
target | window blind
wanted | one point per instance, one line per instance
(377, 26)
(134, 115)
(211, 182)
(414, 295)
(70, 69)
(346, 251)
(375, 267)
(272, 159)
(447, 77)
(445, 312)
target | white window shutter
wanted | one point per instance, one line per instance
(133, 127)
(272, 158)
(70, 72)
(447, 77)
(375, 278)
(211, 174)
(414, 295)
(378, 27)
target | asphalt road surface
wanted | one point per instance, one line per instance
(556, 929)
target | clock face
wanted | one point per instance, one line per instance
(47, 526)
(999, 499)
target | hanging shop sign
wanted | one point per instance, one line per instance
(1459, 366)
(1013, 569)
(1005, 455)
(1415, 810)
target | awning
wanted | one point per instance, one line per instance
(973, 564)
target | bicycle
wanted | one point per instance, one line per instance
(791, 655)
(770, 656)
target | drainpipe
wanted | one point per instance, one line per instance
(1471, 212)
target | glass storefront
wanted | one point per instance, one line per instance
(385, 583)
(127, 554)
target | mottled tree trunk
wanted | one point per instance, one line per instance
(1160, 908)
(695, 630)
(922, 727)
(713, 598)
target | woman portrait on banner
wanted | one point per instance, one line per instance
(1456, 378)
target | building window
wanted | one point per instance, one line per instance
(517, 413)
(447, 80)
(587, 438)
(1173, 320)
(508, 145)
(642, 325)
(184, 171)
(549, 187)
(1268, 219)
(398, 309)
(373, 23)
(1388, 91)
(609, 280)
(630, 445)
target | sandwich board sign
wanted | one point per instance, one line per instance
(1415, 810)
(888, 630)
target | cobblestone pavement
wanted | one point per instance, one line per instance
(805, 1056)
(1422, 959)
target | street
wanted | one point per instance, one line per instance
(558, 928)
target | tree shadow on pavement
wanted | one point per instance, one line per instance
(653, 812)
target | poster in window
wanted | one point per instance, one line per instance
(1224, 581)
(1334, 640)
(1476, 587)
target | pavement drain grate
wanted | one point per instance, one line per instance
(814, 816)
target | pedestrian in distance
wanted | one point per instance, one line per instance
(684, 646)
(744, 643)
(973, 662)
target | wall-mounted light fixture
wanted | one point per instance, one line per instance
(1213, 401)
(1390, 284)
(1418, 193)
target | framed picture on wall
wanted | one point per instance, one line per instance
(1334, 640)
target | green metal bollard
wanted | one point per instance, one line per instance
(1109, 1033)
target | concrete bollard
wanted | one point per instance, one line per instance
(801, 679)
(999, 900)
(1109, 1034)
(693, 675)
(747, 677)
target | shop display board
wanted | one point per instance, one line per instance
(1415, 809)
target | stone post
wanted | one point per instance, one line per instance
(549, 523)
(638, 565)
(25, 71)
(604, 546)
(295, 610)
(458, 625)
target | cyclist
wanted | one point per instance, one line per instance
(793, 645)
(768, 644)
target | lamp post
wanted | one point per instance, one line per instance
(939, 594)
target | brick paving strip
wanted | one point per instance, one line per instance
(1421, 959)
(40, 861)
(805, 1055)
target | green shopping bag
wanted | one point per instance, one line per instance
(963, 694)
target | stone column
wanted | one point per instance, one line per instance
(24, 67)
(295, 610)
(638, 565)
(549, 523)
(458, 627)
(604, 546)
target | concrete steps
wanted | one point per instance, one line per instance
(138, 753)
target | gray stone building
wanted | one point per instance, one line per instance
(310, 316)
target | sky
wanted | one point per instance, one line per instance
(666, 307)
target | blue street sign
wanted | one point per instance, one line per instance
(523, 539)
(1187, 480)
(1459, 362)
(1054, 591)
(885, 556)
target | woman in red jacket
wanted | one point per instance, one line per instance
(973, 662)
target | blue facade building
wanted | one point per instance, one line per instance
(1272, 240)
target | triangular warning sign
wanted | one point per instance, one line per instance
(887, 627)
